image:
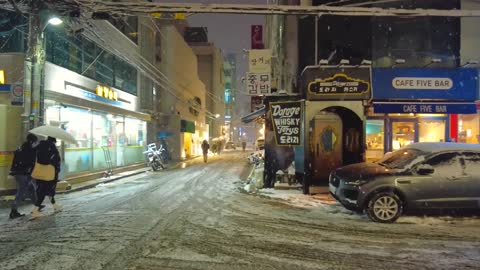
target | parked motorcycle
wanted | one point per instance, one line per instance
(154, 157)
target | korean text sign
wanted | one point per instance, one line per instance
(258, 83)
(286, 122)
(259, 61)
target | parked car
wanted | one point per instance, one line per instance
(260, 144)
(418, 176)
(230, 145)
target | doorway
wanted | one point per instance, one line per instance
(336, 139)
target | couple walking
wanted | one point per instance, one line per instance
(35, 165)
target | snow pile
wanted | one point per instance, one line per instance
(255, 178)
(325, 207)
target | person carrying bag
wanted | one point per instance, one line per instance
(22, 165)
(45, 172)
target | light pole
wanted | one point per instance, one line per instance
(36, 61)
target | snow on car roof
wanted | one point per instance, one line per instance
(433, 147)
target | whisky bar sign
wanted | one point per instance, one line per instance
(337, 83)
(286, 121)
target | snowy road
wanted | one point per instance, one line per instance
(196, 218)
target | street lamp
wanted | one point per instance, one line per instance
(55, 21)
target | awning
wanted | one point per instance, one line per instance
(254, 115)
(425, 107)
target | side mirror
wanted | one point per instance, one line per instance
(425, 169)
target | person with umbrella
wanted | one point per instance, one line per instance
(47, 165)
(47, 156)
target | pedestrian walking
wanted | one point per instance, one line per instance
(22, 166)
(45, 173)
(205, 147)
(244, 145)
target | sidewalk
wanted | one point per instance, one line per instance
(116, 176)
(73, 184)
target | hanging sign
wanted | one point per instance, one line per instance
(259, 61)
(259, 84)
(286, 121)
(337, 83)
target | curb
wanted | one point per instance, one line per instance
(107, 180)
(111, 179)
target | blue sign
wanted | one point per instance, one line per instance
(459, 84)
(4, 87)
(427, 108)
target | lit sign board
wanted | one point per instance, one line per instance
(2, 76)
(107, 92)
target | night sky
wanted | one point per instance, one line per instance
(229, 32)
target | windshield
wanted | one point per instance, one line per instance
(400, 158)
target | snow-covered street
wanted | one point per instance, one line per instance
(197, 216)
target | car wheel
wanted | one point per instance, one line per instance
(384, 207)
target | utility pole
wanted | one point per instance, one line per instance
(34, 66)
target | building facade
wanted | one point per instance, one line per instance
(211, 72)
(230, 75)
(432, 59)
(181, 101)
(92, 93)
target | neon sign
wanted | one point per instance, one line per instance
(107, 92)
(2, 76)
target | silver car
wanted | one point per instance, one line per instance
(418, 176)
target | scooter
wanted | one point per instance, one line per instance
(154, 159)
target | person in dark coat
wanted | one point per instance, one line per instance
(22, 166)
(205, 147)
(47, 154)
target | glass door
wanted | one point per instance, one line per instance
(403, 133)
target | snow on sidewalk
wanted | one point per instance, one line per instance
(325, 206)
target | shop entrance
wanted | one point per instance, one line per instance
(187, 144)
(336, 139)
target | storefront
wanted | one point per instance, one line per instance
(334, 119)
(421, 105)
(102, 119)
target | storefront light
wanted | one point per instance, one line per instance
(2, 76)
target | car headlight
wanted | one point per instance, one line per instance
(356, 182)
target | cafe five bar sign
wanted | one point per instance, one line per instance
(286, 121)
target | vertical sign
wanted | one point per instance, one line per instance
(258, 83)
(17, 95)
(286, 121)
(257, 37)
(259, 61)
